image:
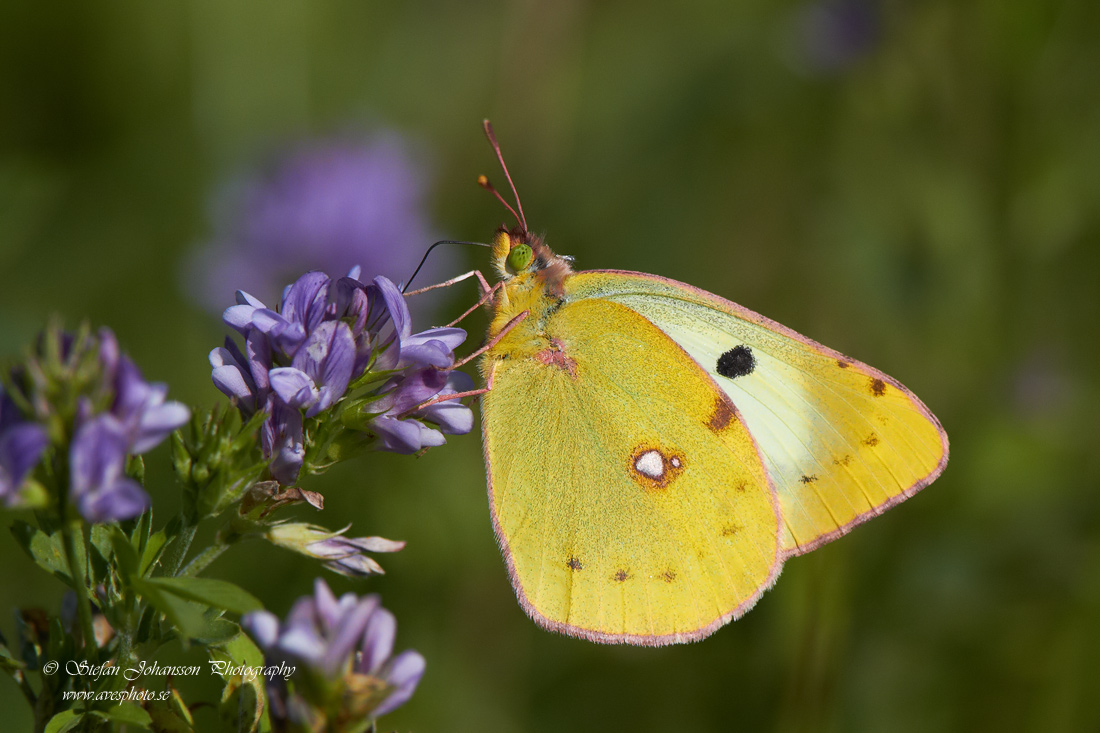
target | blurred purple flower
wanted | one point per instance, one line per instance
(145, 417)
(115, 413)
(343, 649)
(21, 446)
(831, 35)
(323, 204)
(99, 486)
(304, 355)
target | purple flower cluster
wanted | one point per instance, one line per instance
(324, 204)
(343, 650)
(117, 414)
(300, 359)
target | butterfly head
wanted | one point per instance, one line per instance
(518, 254)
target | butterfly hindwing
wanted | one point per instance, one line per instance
(630, 499)
(842, 442)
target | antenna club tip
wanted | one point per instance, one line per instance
(483, 181)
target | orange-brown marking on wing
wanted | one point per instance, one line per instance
(722, 415)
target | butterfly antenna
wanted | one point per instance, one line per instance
(425, 257)
(496, 147)
(483, 181)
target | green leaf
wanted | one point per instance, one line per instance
(216, 593)
(243, 700)
(63, 721)
(125, 555)
(99, 550)
(128, 713)
(217, 631)
(101, 538)
(141, 532)
(44, 549)
(152, 550)
(185, 616)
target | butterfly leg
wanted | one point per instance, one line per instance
(483, 284)
(443, 398)
(492, 342)
(473, 392)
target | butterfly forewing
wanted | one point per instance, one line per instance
(841, 441)
(627, 493)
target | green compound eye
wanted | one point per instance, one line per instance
(519, 258)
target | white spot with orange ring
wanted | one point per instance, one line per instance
(651, 464)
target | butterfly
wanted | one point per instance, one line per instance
(655, 452)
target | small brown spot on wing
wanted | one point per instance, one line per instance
(621, 576)
(842, 364)
(808, 479)
(722, 414)
(871, 440)
(741, 487)
(878, 387)
(574, 563)
(846, 460)
(730, 530)
(669, 575)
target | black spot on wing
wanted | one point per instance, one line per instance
(737, 362)
(574, 563)
(808, 479)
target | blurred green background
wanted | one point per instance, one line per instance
(923, 194)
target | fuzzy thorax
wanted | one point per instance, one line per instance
(537, 288)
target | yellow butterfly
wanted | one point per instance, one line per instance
(655, 452)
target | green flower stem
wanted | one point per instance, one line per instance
(201, 561)
(83, 604)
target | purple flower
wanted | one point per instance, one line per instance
(99, 486)
(320, 204)
(343, 555)
(21, 446)
(282, 440)
(320, 371)
(140, 408)
(401, 429)
(301, 358)
(343, 649)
